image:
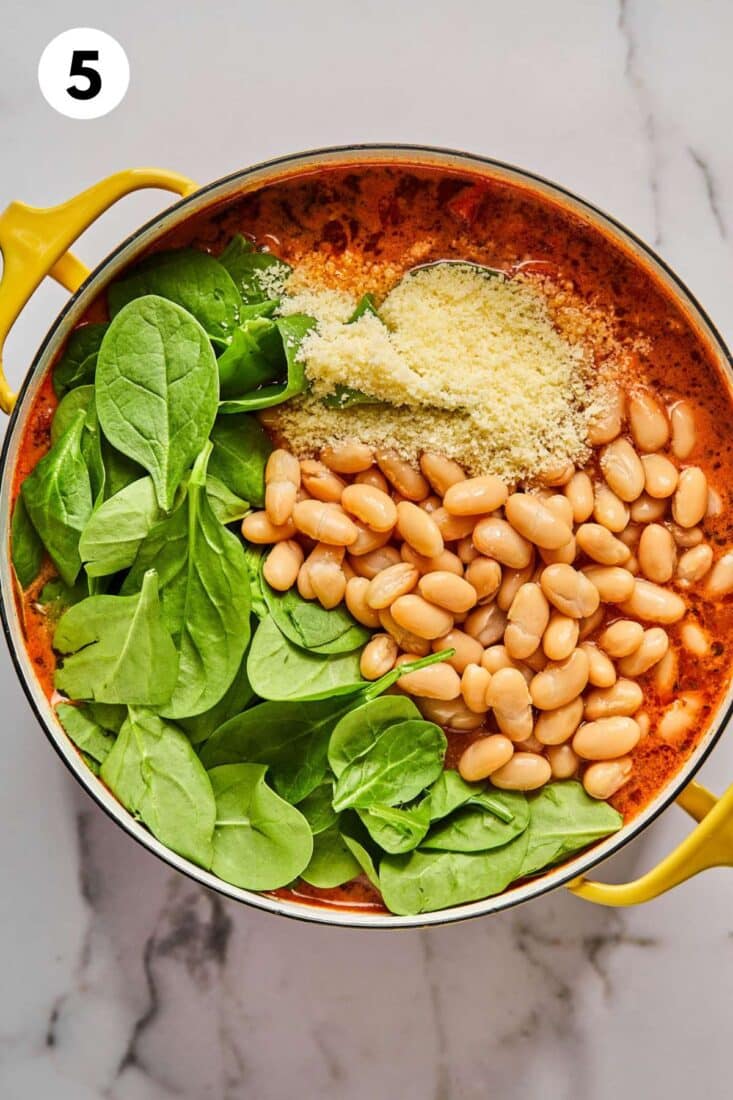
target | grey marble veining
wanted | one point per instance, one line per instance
(124, 980)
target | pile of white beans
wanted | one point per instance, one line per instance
(554, 599)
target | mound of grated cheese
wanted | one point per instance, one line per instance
(465, 364)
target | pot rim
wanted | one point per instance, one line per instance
(229, 188)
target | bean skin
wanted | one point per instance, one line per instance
(511, 581)
(560, 637)
(324, 522)
(690, 500)
(524, 772)
(475, 496)
(356, 601)
(694, 564)
(579, 491)
(621, 638)
(421, 617)
(623, 470)
(373, 507)
(484, 574)
(648, 422)
(376, 561)
(606, 738)
(405, 639)
(508, 696)
(484, 756)
(378, 656)
(684, 431)
(613, 584)
(598, 543)
(601, 671)
(448, 591)
(622, 698)
(257, 527)
(446, 561)
(569, 591)
(654, 645)
(408, 481)
(283, 564)
(535, 522)
(605, 426)
(367, 540)
(553, 727)
(679, 717)
(563, 761)
(657, 553)
(486, 623)
(605, 778)
(609, 510)
(528, 617)
(560, 682)
(654, 604)
(474, 683)
(320, 482)
(435, 682)
(348, 458)
(419, 529)
(497, 539)
(467, 650)
(391, 583)
(440, 471)
(450, 713)
(660, 476)
(720, 582)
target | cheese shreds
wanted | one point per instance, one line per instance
(465, 363)
(328, 306)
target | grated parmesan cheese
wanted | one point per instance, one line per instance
(465, 364)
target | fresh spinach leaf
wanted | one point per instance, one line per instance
(226, 505)
(311, 626)
(113, 535)
(421, 882)
(254, 557)
(292, 331)
(117, 649)
(360, 844)
(282, 671)
(237, 696)
(68, 407)
(58, 498)
(91, 449)
(562, 820)
(258, 275)
(241, 450)
(87, 735)
(119, 470)
(254, 358)
(27, 548)
(360, 728)
(157, 389)
(366, 304)
(451, 791)
(56, 597)
(344, 396)
(291, 740)
(397, 828)
(193, 280)
(77, 365)
(332, 862)
(474, 828)
(212, 592)
(405, 758)
(110, 716)
(316, 808)
(154, 772)
(260, 841)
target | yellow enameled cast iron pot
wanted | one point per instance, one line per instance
(35, 243)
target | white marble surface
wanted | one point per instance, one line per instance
(120, 979)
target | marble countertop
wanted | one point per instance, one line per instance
(124, 980)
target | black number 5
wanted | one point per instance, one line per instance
(80, 68)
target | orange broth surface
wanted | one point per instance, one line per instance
(360, 229)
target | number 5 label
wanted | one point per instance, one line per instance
(83, 73)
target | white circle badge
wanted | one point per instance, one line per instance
(83, 73)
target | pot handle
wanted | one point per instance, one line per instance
(34, 242)
(709, 845)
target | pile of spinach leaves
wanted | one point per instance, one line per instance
(233, 720)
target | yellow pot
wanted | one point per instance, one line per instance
(35, 243)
